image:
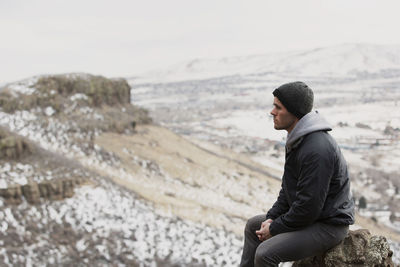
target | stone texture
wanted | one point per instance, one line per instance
(11, 195)
(13, 146)
(359, 248)
(57, 189)
(31, 193)
(100, 90)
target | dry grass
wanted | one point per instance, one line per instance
(377, 228)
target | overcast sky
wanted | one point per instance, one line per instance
(124, 38)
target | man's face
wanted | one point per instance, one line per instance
(283, 119)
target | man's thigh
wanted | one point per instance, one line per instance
(296, 245)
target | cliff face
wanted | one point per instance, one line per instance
(14, 148)
(54, 91)
(74, 97)
(99, 90)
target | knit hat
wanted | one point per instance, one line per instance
(297, 98)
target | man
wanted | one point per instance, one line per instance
(314, 208)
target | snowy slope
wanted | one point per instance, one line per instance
(107, 225)
(341, 60)
(104, 223)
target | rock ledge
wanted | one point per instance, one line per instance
(359, 248)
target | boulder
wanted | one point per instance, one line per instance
(359, 248)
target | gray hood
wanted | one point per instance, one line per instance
(311, 122)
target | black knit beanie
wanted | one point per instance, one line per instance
(297, 98)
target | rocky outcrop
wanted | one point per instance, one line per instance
(92, 102)
(13, 146)
(100, 90)
(56, 189)
(358, 249)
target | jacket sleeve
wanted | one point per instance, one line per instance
(280, 206)
(316, 170)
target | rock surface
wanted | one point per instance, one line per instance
(359, 248)
(13, 146)
(99, 90)
(56, 189)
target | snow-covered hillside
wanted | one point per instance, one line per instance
(147, 198)
(347, 60)
(108, 225)
(102, 223)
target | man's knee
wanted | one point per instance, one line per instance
(254, 223)
(249, 225)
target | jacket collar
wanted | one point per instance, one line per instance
(309, 123)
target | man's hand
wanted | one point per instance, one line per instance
(263, 234)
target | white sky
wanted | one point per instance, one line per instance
(124, 38)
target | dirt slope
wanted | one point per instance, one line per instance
(192, 182)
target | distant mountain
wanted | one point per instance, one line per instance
(334, 61)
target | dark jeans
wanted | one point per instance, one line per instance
(291, 246)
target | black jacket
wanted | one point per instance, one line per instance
(315, 183)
